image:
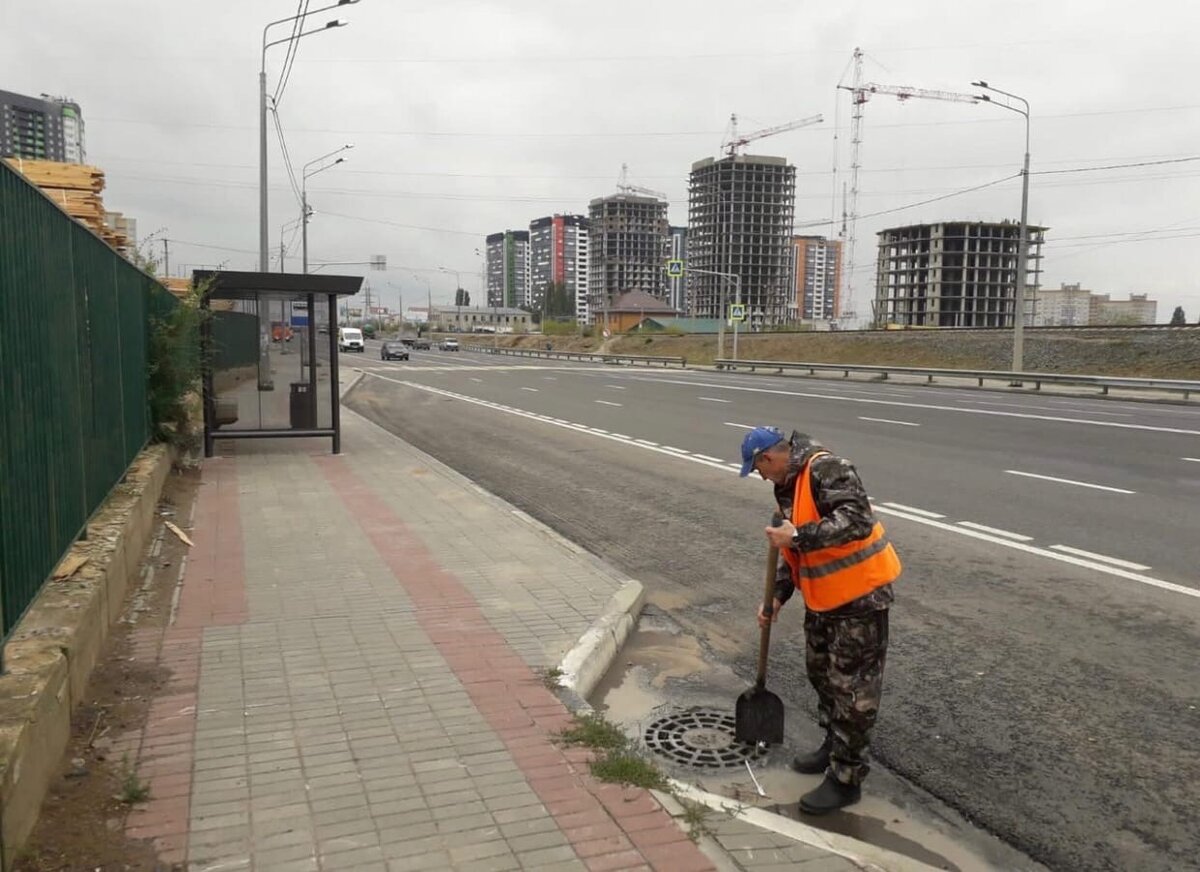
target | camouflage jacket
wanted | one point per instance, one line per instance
(846, 515)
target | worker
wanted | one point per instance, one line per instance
(837, 553)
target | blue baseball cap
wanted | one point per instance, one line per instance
(756, 442)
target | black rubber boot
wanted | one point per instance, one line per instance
(814, 762)
(830, 796)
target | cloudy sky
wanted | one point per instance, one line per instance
(472, 116)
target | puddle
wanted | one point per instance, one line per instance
(662, 670)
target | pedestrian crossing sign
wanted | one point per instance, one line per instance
(675, 269)
(737, 311)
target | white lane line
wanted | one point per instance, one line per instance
(1103, 568)
(713, 400)
(922, 512)
(597, 430)
(1092, 555)
(607, 403)
(713, 459)
(889, 421)
(1103, 487)
(646, 442)
(615, 387)
(673, 448)
(476, 379)
(1120, 425)
(549, 378)
(1046, 552)
(531, 390)
(1193, 459)
(739, 426)
(995, 531)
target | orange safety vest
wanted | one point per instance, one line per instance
(833, 576)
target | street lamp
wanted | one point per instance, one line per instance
(737, 293)
(1018, 360)
(483, 289)
(305, 175)
(457, 292)
(262, 113)
(428, 300)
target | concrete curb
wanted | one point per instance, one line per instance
(862, 854)
(586, 664)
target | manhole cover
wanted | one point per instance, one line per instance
(700, 737)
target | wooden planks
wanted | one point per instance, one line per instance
(76, 189)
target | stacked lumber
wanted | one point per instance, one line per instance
(76, 189)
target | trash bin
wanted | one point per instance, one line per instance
(303, 406)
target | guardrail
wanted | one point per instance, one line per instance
(631, 359)
(1104, 382)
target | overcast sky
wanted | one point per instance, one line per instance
(470, 117)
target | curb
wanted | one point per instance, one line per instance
(586, 664)
(862, 854)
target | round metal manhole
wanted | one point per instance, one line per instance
(701, 738)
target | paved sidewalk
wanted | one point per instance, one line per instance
(353, 661)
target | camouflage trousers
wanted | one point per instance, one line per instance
(845, 658)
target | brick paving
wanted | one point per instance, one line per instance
(353, 681)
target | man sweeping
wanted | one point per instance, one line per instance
(837, 553)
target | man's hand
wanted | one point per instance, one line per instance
(781, 536)
(762, 619)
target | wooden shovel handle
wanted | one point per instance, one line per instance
(764, 642)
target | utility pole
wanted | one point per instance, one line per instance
(167, 254)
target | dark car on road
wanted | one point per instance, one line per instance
(393, 349)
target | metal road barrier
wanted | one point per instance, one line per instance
(630, 359)
(1104, 382)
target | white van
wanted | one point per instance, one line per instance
(350, 339)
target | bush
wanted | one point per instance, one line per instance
(173, 379)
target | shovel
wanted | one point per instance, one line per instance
(759, 713)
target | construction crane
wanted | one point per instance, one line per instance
(860, 93)
(625, 188)
(736, 142)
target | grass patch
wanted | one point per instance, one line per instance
(593, 731)
(625, 767)
(551, 677)
(133, 789)
(695, 815)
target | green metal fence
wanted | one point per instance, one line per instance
(74, 319)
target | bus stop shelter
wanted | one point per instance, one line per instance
(269, 344)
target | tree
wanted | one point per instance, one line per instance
(558, 301)
(1178, 319)
(462, 297)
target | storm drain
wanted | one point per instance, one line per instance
(700, 737)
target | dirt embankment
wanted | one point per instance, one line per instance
(1138, 353)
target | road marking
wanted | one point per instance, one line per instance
(1120, 425)
(922, 512)
(549, 378)
(531, 390)
(597, 430)
(1092, 555)
(646, 442)
(739, 426)
(1096, 566)
(615, 387)
(995, 531)
(713, 459)
(607, 403)
(1103, 487)
(713, 400)
(889, 421)
(1046, 552)
(1193, 459)
(673, 448)
(476, 379)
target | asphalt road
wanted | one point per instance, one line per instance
(1042, 677)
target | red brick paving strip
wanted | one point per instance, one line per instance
(213, 594)
(608, 826)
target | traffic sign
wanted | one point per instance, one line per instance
(675, 268)
(737, 311)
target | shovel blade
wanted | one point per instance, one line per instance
(759, 717)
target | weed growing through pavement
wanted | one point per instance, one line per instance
(551, 677)
(695, 815)
(133, 789)
(593, 731)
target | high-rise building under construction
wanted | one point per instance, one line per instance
(954, 274)
(740, 215)
(630, 243)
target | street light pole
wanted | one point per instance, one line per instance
(737, 292)
(262, 114)
(1019, 288)
(305, 175)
